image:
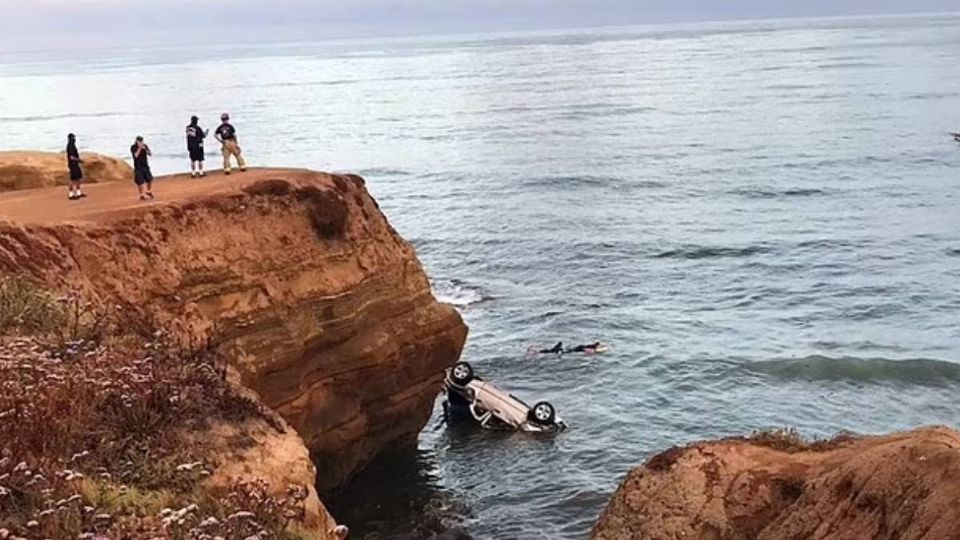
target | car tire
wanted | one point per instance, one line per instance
(543, 414)
(461, 374)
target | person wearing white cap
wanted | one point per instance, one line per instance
(227, 136)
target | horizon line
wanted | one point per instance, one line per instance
(373, 37)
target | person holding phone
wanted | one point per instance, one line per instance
(142, 176)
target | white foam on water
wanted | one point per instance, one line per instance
(456, 293)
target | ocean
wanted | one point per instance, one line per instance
(759, 218)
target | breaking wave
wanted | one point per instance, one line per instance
(922, 371)
(709, 252)
(571, 182)
(776, 194)
(456, 293)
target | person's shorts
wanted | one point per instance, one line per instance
(76, 173)
(142, 176)
(196, 153)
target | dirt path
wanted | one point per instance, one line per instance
(50, 205)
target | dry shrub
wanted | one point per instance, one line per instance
(783, 439)
(92, 436)
(26, 308)
(66, 323)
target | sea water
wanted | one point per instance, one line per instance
(761, 219)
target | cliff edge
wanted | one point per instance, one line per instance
(903, 486)
(324, 310)
(29, 170)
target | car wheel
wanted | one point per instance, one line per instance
(543, 414)
(461, 374)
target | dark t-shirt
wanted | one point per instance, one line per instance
(195, 136)
(73, 156)
(139, 162)
(227, 132)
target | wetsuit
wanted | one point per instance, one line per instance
(557, 349)
(584, 348)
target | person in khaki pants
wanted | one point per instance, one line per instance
(227, 136)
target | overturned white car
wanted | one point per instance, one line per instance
(473, 399)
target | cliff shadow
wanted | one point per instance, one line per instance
(397, 497)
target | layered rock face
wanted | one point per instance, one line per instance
(325, 310)
(903, 486)
(28, 170)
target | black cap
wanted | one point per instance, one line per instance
(194, 119)
(71, 136)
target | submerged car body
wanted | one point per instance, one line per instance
(473, 399)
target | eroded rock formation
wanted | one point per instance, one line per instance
(904, 486)
(325, 310)
(28, 170)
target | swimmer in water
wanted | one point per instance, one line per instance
(589, 349)
(557, 349)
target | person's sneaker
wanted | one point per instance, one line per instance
(144, 198)
(81, 195)
(150, 194)
(193, 174)
(226, 173)
(243, 169)
(73, 197)
(202, 174)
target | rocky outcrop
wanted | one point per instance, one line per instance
(29, 170)
(903, 486)
(255, 450)
(324, 309)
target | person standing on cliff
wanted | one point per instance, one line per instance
(75, 166)
(142, 176)
(227, 136)
(195, 137)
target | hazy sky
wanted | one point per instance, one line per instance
(35, 23)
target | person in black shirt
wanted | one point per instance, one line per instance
(227, 136)
(74, 164)
(195, 136)
(141, 168)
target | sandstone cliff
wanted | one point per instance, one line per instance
(325, 309)
(28, 170)
(903, 486)
(276, 455)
